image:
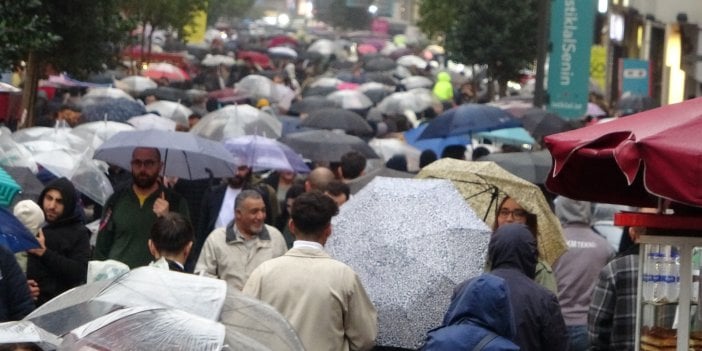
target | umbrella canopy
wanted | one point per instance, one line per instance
(361, 181)
(326, 82)
(135, 84)
(39, 139)
(282, 52)
(324, 145)
(412, 61)
(310, 103)
(168, 93)
(323, 47)
(108, 109)
(376, 91)
(317, 91)
(13, 234)
(168, 329)
(350, 99)
(216, 60)
(161, 70)
(531, 166)
(143, 286)
(185, 155)
(247, 318)
(256, 57)
(421, 260)
(261, 153)
(540, 123)
(435, 144)
(414, 82)
(631, 103)
(30, 186)
(629, 160)
(336, 118)
(107, 92)
(516, 136)
(485, 184)
(171, 110)
(258, 87)
(27, 332)
(468, 119)
(95, 133)
(14, 154)
(416, 100)
(237, 120)
(387, 148)
(380, 63)
(152, 121)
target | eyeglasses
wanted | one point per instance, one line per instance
(516, 213)
(144, 163)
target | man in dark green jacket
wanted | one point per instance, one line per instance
(130, 212)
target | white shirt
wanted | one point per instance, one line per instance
(298, 244)
(226, 212)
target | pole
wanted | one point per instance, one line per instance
(542, 48)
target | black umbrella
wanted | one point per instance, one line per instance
(540, 123)
(629, 104)
(381, 77)
(380, 64)
(311, 103)
(531, 166)
(324, 145)
(118, 110)
(337, 118)
(317, 91)
(168, 93)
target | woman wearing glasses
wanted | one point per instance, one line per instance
(510, 211)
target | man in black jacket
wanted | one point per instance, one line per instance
(61, 262)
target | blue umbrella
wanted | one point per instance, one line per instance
(435, 144)
(516, 136)
(468, 119)
(119, 110)
(13, 234)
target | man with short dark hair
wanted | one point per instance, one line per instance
(171, 240)
(323, 299)
(338, 191)
(232, 252)
(352, 165)
(61, 261)
(130, 212)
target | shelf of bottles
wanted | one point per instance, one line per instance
(669, 293)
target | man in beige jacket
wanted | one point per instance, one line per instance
(322, 298)
(231, 253)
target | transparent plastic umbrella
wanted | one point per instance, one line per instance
(412, 61)
(258, 87)
(174, 111)
(262, 153)
(152, 121)
(14, 154)
(106, 92)
(350, 99)
(237, 120)
(135, 84)
(95, 133)
(27, 332)
(414, 82)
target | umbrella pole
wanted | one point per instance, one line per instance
(493, 200)
(165, 162)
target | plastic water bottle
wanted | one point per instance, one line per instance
(657, 277)
(672, 277)
(649, 271)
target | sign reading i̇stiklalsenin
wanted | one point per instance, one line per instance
(571, 31)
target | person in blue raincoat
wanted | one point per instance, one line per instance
(480, 314)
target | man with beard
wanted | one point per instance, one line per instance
(218, 207)
(131, 212)
(233, 251)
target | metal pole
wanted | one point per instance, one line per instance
(542, 48)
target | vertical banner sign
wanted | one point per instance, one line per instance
(635, 78)
(598, 67)
(571, 31)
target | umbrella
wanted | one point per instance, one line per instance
(540, 123)
(159, 70)
(412, 61)
(376, 91)
(258, 87)
(324, 145)
(416, 100)
(326, 82)
(282, 52)
(107, 92)
(435, 144)
(9, 88)
(95, 133)
(350, 99)
(324, 47)
(27, 332)
(632, 160)
(168, 329)
(261, 153)
(531, 166)
(484, 185)
(468, 119)
(387, 148)
(436, 49)
(168, 93)
(361, 181)
(30, 186)
(309, 104)
(151, 121)
(317, 91)
(237, 120)
(516, 136)
(216, 60)
(281, 40)
(38, 139)
(421, 260)
(365, 49)
(171, 110)
(380, 63)
(14, 154)
(256, 57)
(337, 118)
(118, 110)
(381, 77)
(631, 103)
(13, 234)
(185, 155)
(143, 286)
(135, 84)
(414, 82)
(594, 110)
(245, 317)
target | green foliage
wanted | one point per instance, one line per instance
(23, 28)
(499, 33)
(227, 9)
(338, 15)
(173, 15)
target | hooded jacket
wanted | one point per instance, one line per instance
(482, 306)
(443, 89)
(64, 265)
(540, 326)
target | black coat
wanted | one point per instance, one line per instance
(15, 302)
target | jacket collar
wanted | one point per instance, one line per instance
(232, 231)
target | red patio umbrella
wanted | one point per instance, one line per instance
(635, 160)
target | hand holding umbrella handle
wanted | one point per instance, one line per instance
(161, 206)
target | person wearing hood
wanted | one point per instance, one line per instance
(480, 314)
(577, 270)
(61, 261)
(537, 314)
(443, 89)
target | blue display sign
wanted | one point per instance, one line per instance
(635, 77)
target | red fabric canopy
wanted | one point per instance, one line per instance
(632, 160)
